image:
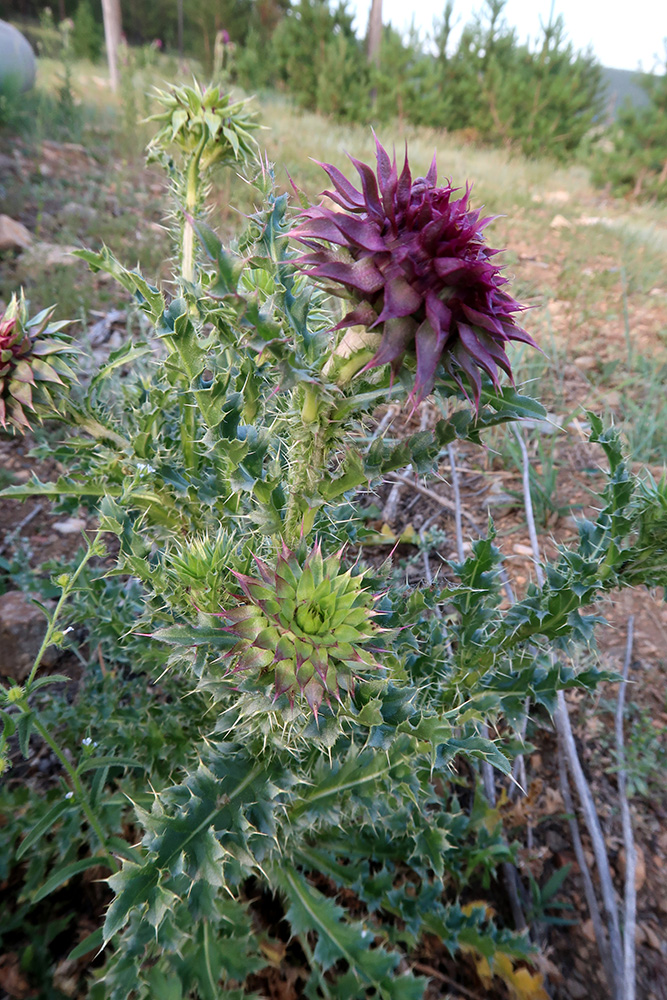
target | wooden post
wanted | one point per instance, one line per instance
(374, 38)
(180, 29)
(112, 36)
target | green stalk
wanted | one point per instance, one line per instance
(188, 434)
(51, 625)
(191, 199)
(82, 798)
(308, 460)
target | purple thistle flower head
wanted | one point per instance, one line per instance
(413, 259)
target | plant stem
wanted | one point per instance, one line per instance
(51, 626)
(308, 458)
(78, 788)
(191, 199)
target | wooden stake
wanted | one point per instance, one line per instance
(112, 35)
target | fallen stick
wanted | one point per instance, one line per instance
(630, 896)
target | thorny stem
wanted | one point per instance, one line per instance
(82, 798)
(191, 197)
(308, 458)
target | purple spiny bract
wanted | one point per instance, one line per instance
(413, 259)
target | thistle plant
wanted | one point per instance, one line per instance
(413, 260)
(34, 367)
(225, 466)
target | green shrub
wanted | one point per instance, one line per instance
(86, 34)
(633, 160)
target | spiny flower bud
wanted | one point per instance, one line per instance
(32, 364)
(307, 622)
(414, 261)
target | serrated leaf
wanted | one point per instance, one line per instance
(191, 635)
(336, 939)
(123, 356)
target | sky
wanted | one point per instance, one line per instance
(624, 34)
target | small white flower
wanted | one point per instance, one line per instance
(144, 467)
(69, 795)
(87, 741)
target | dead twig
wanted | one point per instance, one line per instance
(589, 888)
(451, 452)
(428, 970)
(630, 895)
(398, 477)
(566, 739)
(10, 536)
(528, 506)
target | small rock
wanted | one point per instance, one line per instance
(576, 989)
(52, 254)
(640, 868)
(13, 234)
(22, 628)
(586, 363)
(555, 842)
(652, 939)
(556, 197)
(560, 222)
(588, 931)
(73, 210)
(7, 162)
(72, 526)
(611, 398)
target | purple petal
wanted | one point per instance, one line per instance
(397, 335)
(429, 350)
(383, 162)
(438, 314)
(404, 184)
(446, 267)
(432, 175)
(342, 185)
(400, 299)
(363, 315)
(370, 188)
(484, 320)
(363, 232)
(478, 351)
(360, 274)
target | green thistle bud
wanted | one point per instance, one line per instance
(206, 120)
(307, 622)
